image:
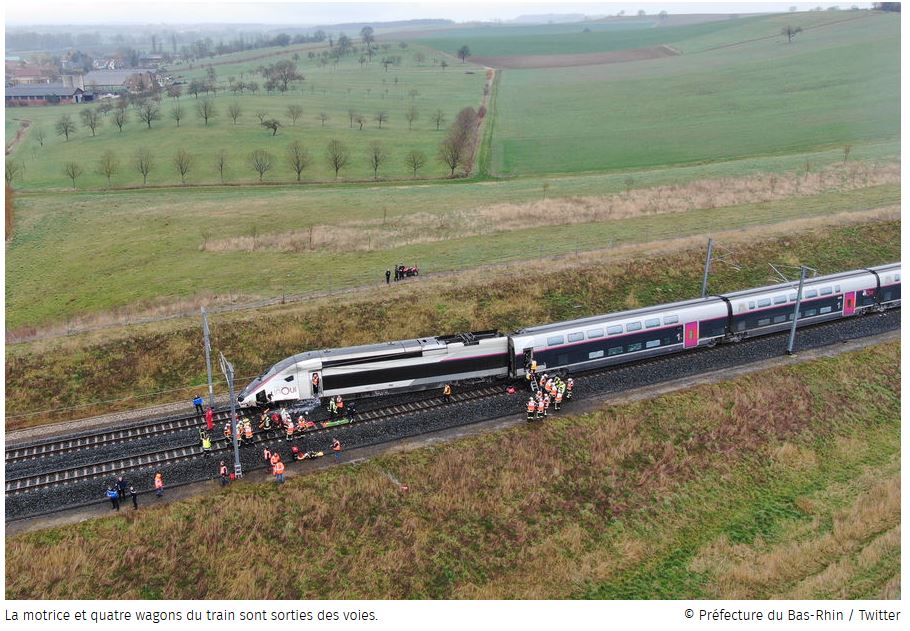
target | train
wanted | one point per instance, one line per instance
(574, 345)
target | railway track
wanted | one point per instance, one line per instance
(160, 458)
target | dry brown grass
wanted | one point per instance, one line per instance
(417, 228)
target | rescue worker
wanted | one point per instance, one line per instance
(339, 405)
(336, 447)
(546, 404)
(159, 484)
(296, 453)
(539, 412)
(223, 472)
(447, 392)
(210, 418)
(135, 497)
(206, 444)
(532, 407)
(315, 382)
(248, 430)
(121, 488)
(333, 407)
(352, 410)
(388, 275)
(114, 497)
(278, 470)
(227, 430)
(275, 458)
(289, 430)
(266, 454)
(264, 420)
(570, 386)
(239, 433)
(557, 400)
(197, 402)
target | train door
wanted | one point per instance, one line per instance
(849, 303)
(314, 384)
(528, 358)
(690, 336)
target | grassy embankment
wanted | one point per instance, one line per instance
(215, 243)
(367, 90)
(140, 365)
(783, 484)
(757, 98)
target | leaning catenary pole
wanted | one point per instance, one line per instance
(228, 371)
(799, 298)
(208, 355)
(704, 280)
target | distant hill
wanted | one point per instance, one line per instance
(549, 18)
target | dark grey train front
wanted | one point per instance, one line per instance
(577, 344)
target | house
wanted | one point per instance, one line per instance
(117, 80)
(45, 95)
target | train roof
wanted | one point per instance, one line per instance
(794, 284)
(621, 315)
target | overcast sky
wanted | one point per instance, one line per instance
(20, 12)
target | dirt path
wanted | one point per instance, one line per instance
(24, 125)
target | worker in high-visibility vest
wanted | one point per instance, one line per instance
(546, 403)
(336, 447)
(532, 407)
(227, 430)
(279, 472)
(539, 411)
(248, 430)
(557, 400)
(570, 387)
(447, 393)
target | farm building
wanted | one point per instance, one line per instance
(45, 95)
(118, 80)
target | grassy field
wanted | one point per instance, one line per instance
(761, 97)
(367, 91)
(136, 366)
(783, 484)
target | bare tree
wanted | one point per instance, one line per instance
(234, 111)
(271, 123)
(40, 135)
(174, 91)
(261, 162)
(414, 160)
(195, 87)
(451, 153)
(261, 114)
(13, 169)
(351, 116)
(790, 31)
(444, 64)
(177, 113)
(323, 116)
(183, 161)
(376, 156)
(120, 118)
(91, 119)
(381, 117)
(298, 157)
(143, 162)
(220, 163)
(72, 171)
(411, 115)
(847, 149)
(65, 126)
(294, 112)
(438, 118)
(206, 110)
(148, 112)
(360, 119)
(108, 165)
(337, 155)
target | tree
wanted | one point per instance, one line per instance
(847, 149)
(40, 135)
(451, 153)
(790, 31)
(414, 160)
(65, 126)
(351, 115)
(438, 118)
(12, 170)
(108, 165)
(91, 119)
(444, 64)
(148, 112)
(366, 35)
(271, 123)
(411, 115)
(261, 162)
(252, 86)
(177, 113)
(298, 157)
(234, 111)
(183, 161)
(206, 110)
(294, 112)
(120, 118)
(220, 163)
(323, 116)
(72, 170)
(174, 91)
(376, 156)
(463, 53)
(143, 162)
(381, 117)
(360, 119)
(419, 57)
(281, 73)
(337, 155)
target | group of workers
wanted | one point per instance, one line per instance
(273, 460)
(546, 390)
(117, 491)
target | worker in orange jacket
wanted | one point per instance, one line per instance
(532, 407)
(278, 469)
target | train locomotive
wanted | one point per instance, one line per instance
(581, 344)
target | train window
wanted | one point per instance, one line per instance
(653, 322)
(633, 326)
(764, 302)
(824, 310)
(671, 319)
(791, 297)
(810, 293)
(595, 354)
(808, 313)
(779, 319)
(825, 291)
(634, 347)
(837, 289)
(289, 379)
(575, 337)
(556, 340)
(764, 322)
(779, 300)
(751, 304)
(616, 350)
(897, 278)
(652, 343)
(595, 333)
(613, 330)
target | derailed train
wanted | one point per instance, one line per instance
(577, 344)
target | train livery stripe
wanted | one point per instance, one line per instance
(415, 371)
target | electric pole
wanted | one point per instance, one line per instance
(704, 280)
(228, 371)
(208, 355)
(799, 297)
